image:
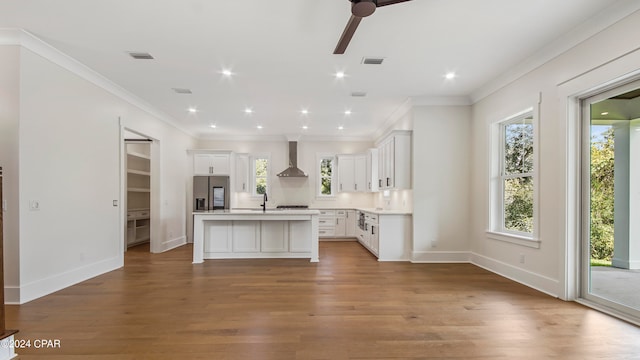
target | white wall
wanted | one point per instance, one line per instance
(610, 53)
(66, 155)
(441, 177)
(9, 115)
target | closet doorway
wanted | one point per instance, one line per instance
(139, 191)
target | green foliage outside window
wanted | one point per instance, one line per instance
(261, 176)
(326, 168)
(602, 196)
(517, 178)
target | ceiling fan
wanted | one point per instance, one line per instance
(359, 10)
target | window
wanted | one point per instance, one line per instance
(260, 171)
(513, 200)
(325, 183)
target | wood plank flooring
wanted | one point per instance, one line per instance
(348, 306)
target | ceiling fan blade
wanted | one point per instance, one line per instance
(347, 34)
(389, 2)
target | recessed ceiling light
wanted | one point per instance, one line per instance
(192, 110)
(347, 112)
(304, 111)
(305, 127)
(450, 75)
(259, 126)
(213, 126)
(248, 110)
(340, 75)
(605, 113)
(226, 72)
(340, 127)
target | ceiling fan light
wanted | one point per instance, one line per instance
(363, 8)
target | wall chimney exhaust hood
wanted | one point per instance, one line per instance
(292, 170)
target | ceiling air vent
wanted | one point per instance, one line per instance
(372, 61)
(141, 56)
(182, 91)
(358, 94)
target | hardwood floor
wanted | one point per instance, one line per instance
(348, 306)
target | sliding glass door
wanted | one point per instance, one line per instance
(611, 198)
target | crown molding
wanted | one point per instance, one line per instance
(561, 45)
(276, 138)
(23, 38)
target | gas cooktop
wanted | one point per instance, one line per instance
(292, 206)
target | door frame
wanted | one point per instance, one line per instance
(155, 201)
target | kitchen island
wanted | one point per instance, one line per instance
(254, 234)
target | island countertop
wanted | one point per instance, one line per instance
(269, 212)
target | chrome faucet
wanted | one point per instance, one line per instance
(264, 203)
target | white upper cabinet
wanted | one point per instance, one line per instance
(371, 176)
(394, 161)
(346, 173)
(242, 172)
(211, 163)
(360, 172)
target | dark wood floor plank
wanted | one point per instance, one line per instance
(348, 306)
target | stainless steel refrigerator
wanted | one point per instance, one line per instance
(210, 193)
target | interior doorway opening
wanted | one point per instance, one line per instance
(140, 184)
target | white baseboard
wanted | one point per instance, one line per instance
(174, 243)
(440, 257)
(12, 295)
(541, 283)
(51, 284)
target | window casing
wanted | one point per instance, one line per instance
(513, 215)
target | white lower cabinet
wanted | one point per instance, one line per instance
(219, 235)
(337, 223)
(298, 232)
(275, 236)
(387, 236)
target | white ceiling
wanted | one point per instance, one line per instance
(281, 54)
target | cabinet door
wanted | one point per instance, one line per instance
(372, 170)
(360, 170)
(381, 166)
(389, 154)
(221, 164)
(217, 236)
(202, 164)
(341, 228)
(374, 238)
(299, 238)
(274, 236)
(346, 173)
(351, 224)
(242, 173)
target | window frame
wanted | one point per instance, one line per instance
(254, 177)
(496, 220)
(319, 158)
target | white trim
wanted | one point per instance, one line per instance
(396, 115)
(12, 295)
(441, 101)
(174, 243)
(514, 239)
(53, 283)
(598, 23)
(25, 39)
(535, 281)
(441, 257)
(495, 219)
(7, 351)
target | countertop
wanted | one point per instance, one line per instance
(384, 212)
(274, 212)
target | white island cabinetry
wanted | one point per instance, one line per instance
(240, 234)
